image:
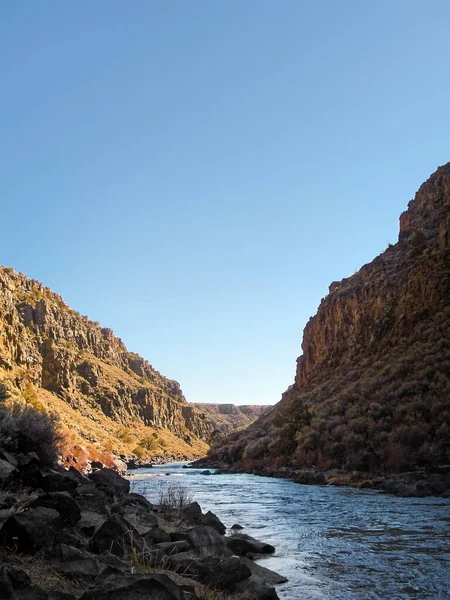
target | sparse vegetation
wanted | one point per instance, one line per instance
(24, 429)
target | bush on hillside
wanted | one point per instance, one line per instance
(26, 429)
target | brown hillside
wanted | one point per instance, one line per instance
(226, 418)
(108, 399)
(372, 387)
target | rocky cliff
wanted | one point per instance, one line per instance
(106, 397)
(226, 418)
(372, 386)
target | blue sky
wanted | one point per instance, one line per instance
(194, 174)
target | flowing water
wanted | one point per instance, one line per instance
(338, 543)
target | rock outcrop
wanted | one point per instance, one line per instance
(226, 418)
(372, 387)
(52, 355)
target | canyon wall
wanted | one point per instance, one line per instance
(372, 385)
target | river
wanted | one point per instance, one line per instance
(332, 543)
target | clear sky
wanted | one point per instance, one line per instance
(194, 174)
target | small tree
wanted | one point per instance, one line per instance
(4, 393)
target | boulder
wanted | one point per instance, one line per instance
(205, 540)
(211, 520)
(236, 527)
(132, 587)
(30, 530)
(157, 536)
(117, 536)
(223, 573)
(73, 562)
(9, 457)
(257, 588)
(91, 498)
(60, 481)
(61, 502)
(266, 575)
(32, 476)
(174, 547)
(193, 512)
(134, 500)
(7, 472)
(16, 585)
(242, 544)
(206, 472)
(131, 464)
(110, 482)
(90, 521)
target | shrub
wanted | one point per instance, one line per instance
(174, 496)
(25, 429)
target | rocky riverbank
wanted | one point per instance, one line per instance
(65, 535)
(418, 484)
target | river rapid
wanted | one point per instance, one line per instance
(339, 543)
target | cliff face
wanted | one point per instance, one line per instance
(226, 418)
(372, 387)
(62, 356)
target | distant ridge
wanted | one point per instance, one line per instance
(226, 418)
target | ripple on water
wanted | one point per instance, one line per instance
(338, 543)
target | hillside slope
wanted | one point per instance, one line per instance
(226, 418)
(372, 387)
(108, 399)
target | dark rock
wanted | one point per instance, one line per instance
(211, 520)
(157, 536)
(207, 472)
(222, 573)
(133, 499)
(7, 472)
(32, 476)
(81, 478)
(30, 530)
(236, 526)
(174, 547)
(73, 562)
(90, 522)
(60, 481)
(257, 588)
(268, 576)
(9, 457)
(91, 498)
(16, 585)
(96, 464)
(110, 481)
(193, 512)
(28, 458)
(242, 544)
(206, 540)
(134, 587)
(439, 485)
(117, 536)
(63, 503)
(131, 464)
